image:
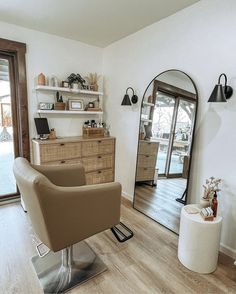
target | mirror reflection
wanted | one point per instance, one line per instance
(166, 131)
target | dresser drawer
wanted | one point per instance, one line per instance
(61, 162)
(90, 148)
(146, 147)
(100, 176)
(62, 151)
(145, 160)
(145, 174)
(98, 162)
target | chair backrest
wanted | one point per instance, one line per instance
(28, 181)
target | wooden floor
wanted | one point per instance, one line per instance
(159, 202)
(147, 263)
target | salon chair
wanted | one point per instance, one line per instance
(64, 211)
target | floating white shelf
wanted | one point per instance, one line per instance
(148, 103)
(67, 90)
(82, 112)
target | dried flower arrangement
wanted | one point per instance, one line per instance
(211, 186)
(93, 78)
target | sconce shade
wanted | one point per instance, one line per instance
(217, 94)
(221, 93)
(126, 100)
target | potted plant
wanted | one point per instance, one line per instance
(59, 105)
(74, 81)
(211, 186)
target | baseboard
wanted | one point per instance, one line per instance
(223, 248)
(228, 250)
(127, 196)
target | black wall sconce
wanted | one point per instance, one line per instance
(126, 99)
(221, 93)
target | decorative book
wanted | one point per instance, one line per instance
(207, 214)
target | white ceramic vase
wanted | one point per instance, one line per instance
(75, 86)
(205, 203)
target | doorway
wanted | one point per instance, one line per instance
(7, 153)
(173, 122)
(14, 133)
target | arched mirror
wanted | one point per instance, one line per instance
(167, 123)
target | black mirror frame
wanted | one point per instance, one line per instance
(193, 138)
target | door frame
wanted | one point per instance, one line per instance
(15, 53)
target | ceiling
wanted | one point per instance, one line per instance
(95, 22)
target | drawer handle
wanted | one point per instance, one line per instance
(145, 168)
(62, 144)
(99, 156)
(99, 141)
(147, 155)
(99, 172)
(63, 161)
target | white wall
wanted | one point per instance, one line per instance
(199, 40)
(53, 55)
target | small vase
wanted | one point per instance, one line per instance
(75, 86)
(41, 79)
(94, 87)
(54, 81)
(205, 203)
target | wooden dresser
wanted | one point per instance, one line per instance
(147, 157)
(97, 155)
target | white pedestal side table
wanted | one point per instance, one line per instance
(199, 242)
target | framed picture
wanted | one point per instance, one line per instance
(65, 84)
(75, 104)
(46, 106)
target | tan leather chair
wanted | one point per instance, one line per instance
(65, 211)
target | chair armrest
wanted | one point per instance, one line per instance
(73, 214)
(63, 175)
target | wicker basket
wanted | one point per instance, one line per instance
(93, 132)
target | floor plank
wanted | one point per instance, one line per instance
(159, 202)
(147, 263)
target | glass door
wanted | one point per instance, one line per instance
(162, 128)
(181, 138)
(172, 127)
(7, 155)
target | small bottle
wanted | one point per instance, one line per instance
(214, 205)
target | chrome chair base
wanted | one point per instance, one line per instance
(58, 272)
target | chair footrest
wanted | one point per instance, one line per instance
(122, 232)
